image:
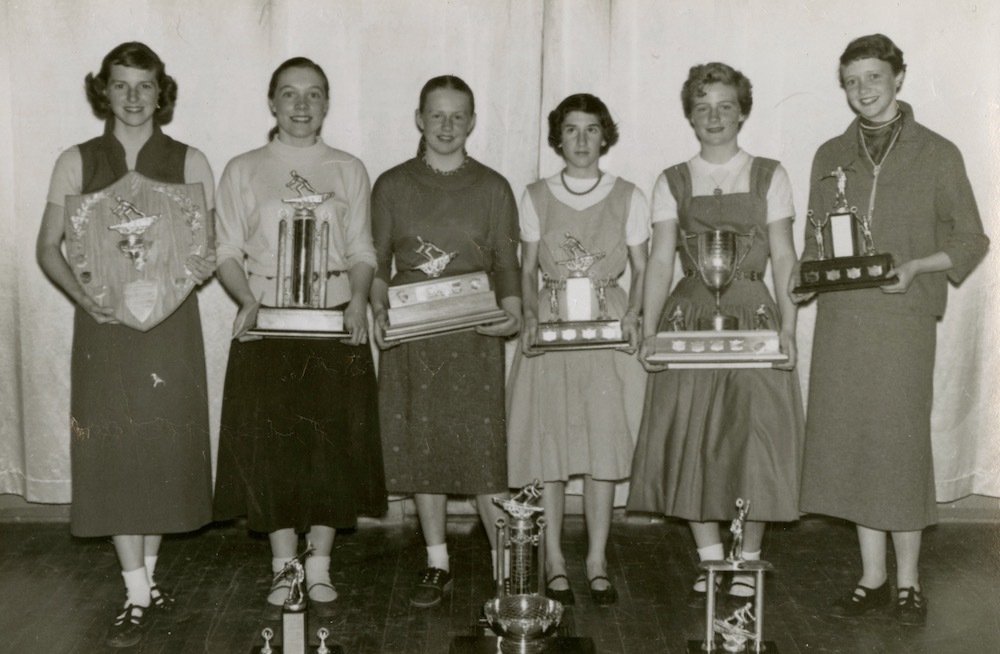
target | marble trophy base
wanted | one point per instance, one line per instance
(718, 349)
(289, 322)
(491, 645)
(579, 335)
(698, 647)
(844, 273)
(440, 306)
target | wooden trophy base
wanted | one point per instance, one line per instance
(287, 322)
(579, 335)
(718, 349)
(491, 645)
(844, 273)
(441, 306)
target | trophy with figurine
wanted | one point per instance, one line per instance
(439, 305)
(578, 308)
(302, 272)
(846, 258)
(717, 343)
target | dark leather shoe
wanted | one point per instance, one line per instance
(322, 609)
(564, 596)
(696, 598)
(433, 584)
(862, 601)
(604, 596)
(126, 630)
(910, 608)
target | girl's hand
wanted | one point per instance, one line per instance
(509, 326)
(797, 298)
(786, 341)
(647, 348)
(246, 318)
(102, 315)
(201, 268)
(378, 329)
(356, 322)
(528, 336)
(904, 275)
(631, 332)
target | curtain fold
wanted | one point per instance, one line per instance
(520, 58)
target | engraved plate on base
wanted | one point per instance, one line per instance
(440, 306)
(713, 349)
(286, 322)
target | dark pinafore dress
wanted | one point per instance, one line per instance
(711, 436)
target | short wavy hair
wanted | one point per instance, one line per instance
(715, 72)
(134, 55)
(872, 46)
(588, 104)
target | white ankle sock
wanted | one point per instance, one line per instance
(437, 556)
(318, 572)
(150, 568)
(279, 594)
(743, 578)
(136, 587)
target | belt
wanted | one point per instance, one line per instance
(750, 275)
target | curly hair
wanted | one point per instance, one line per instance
(873, 46)
(702, 75)
(588, 104)
(134, 55)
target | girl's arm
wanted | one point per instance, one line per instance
(656, 286)
(637, 256)
(529, 295)
(783, 263)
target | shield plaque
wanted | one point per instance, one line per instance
(128, 245)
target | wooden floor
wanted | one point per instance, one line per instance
(59, 594)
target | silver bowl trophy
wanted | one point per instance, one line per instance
(743, 630)
(522, 618)
(440, 305)
(294, 637)
(845, 251)
(576, 324)
(718, 343)
(302, 273)
(127, 246)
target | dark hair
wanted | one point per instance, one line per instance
(134, 55)
(702, 75)
(452, 82)
(294, 62)
(873, 46)
(588, 104)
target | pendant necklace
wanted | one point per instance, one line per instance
(562, 176)
(718, 183)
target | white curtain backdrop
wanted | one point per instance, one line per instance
(521, 57)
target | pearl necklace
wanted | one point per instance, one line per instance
(562, 176)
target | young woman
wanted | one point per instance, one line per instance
(442, 398)
(711, 436)
(871, 382)
(577, 413)
(139, 448)
(299, 449)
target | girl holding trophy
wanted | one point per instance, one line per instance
(576, 413)
(442, 398)
(868, 441)
(709, 436)
(299, 447)
(139, 409)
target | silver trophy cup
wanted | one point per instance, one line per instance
(717, 258)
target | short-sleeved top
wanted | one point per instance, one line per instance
(67, 175)
(732, 176)
(637, 227)
(252, 201)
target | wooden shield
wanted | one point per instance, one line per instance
(128, 244)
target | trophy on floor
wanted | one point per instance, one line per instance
(440, 305)
(846, 258)
(718, 343)
(735, 630)
(575, 323)
(127, 246)
(522, 618)
(302, 272)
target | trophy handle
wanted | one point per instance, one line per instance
(684, 244)
(750, 237)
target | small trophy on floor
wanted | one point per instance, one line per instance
(846, 258)
(302, 273)
(576, 323)
(440, 305)
(733, 630)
